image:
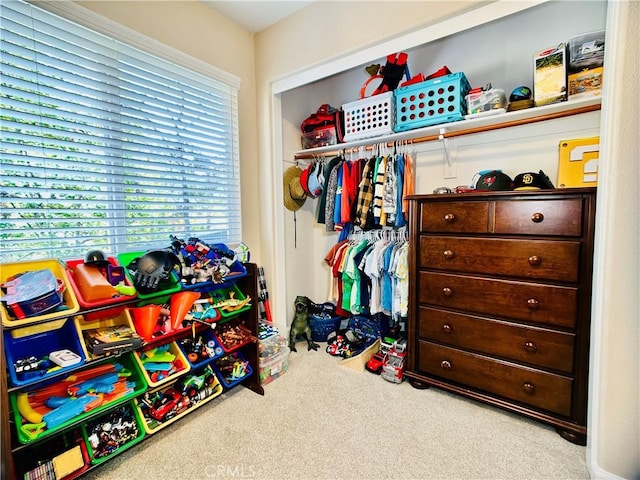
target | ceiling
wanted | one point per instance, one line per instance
(256, 15)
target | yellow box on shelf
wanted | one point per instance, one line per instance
(578, 162)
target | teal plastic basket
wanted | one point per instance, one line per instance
(432, 102)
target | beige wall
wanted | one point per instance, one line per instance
(207, 36)
(323, 31)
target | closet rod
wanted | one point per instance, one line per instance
(468, 131)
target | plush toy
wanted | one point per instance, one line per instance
(300, 325)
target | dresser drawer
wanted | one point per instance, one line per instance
(470, 217)
(539, 259)
(539, 217)
(536, 388)
(534, 302)
(535, 346)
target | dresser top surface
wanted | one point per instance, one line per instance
(510, 194)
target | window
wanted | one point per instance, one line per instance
(107, 147)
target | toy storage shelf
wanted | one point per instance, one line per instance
(245, 285)
(467, 127)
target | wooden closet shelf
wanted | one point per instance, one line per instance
(465, 127)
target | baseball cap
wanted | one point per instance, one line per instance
(532, 181)
(494, 180)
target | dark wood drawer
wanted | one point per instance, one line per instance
(536, 346)
(533, 387)
(470, 217)
(528, 301)
(539, 217)
(539, 259)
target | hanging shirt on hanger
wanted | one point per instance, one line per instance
(323, 197)
(365, 195)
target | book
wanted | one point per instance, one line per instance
(111, 339)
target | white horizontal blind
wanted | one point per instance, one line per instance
(107, 147)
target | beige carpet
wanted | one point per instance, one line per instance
(321, 420)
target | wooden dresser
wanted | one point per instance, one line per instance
(499, 302)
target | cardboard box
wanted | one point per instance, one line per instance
(586, 65)
(586, 51)
(550, 75)
(578, 165)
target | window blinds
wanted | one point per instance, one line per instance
(107, 147)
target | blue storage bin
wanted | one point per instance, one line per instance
(208, 338)
(226, 375)
(432, 102)
(36, 342)
(322, 325)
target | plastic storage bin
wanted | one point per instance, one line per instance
(161, 365)
(27, 350)
(233, 335)
(432, 102)
(69, 304)
(122, 320)
(223, 299)
(272, 345)
(113, 432)
(27, 407)
(483, 103)
(205, 350)
(232, 369)
(170, 285)
(274, 366)
(85, 303)
(166, 405)
(321, 326)
(65, 454)
(369, 117)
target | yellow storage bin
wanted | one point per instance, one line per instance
(115, 327)
(163, 364)
(164, 406)
(69, 304)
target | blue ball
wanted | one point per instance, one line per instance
(520, 93)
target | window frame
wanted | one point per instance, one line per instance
(93, 21)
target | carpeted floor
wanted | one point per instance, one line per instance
(321, 420)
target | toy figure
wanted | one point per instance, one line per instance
(300, 325)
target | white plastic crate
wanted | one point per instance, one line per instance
(369, 117)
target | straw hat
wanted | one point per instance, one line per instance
(294, 194)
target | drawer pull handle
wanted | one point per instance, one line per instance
(533, 304)
(446, 328)
(530, 346)
(535, 260)
(448, 254)
(537, 217)
(528, 388)
(449, 218)
(446, 365)
(447, 292)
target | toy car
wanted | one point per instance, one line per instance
(393, 367)
(171, 404)
(374, 365)
(191, 384)
(26, 364)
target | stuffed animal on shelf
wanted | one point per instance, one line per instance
(300, 325)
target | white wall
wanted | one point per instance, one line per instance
(614, 415)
